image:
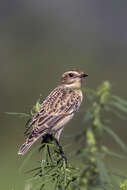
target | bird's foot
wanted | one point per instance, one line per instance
(50, 138)
(61, 152)
(63, 157)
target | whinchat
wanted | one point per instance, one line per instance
(57, 109)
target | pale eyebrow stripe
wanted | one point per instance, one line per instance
(75, 72)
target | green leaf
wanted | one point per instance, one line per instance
(114, 154)
(32, 170)
(118, 173)
(33, 178)
(116, 137)
(120, 100)
(103, 173)
(51, 186)
(18, 114)
(115, 112)
(119, 106)
(39, 186)
(44, 158)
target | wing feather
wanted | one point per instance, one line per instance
(58, 105)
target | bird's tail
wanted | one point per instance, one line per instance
(25, 147)
(29, 142)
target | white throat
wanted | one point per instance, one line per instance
(76, 84)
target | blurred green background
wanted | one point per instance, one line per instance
(39, 40)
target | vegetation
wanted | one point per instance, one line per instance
(54, 173)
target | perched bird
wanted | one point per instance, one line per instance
(57, 109)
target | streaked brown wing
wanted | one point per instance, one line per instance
(44, 110)
(50, 103)
(48, 124)
(57, 107)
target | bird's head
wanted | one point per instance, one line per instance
(73, 78)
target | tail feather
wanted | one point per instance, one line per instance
(25, 147)
(29, 142)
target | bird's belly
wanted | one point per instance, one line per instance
(62, 122)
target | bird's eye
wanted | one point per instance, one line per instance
(71, 74)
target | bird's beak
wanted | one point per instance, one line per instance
(83, 75)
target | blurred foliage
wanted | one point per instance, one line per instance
(53, 172)
(123, 186)
(94, 151)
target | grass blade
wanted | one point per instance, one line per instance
(119, 106)
(114, 154)
(120, 100)
(103, 173)
(116, 137)
(18, 114)
(115, 112)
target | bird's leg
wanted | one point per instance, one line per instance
(45, 139)
(49, 138)
(61, 152)
(42, 144)
(49, 153)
